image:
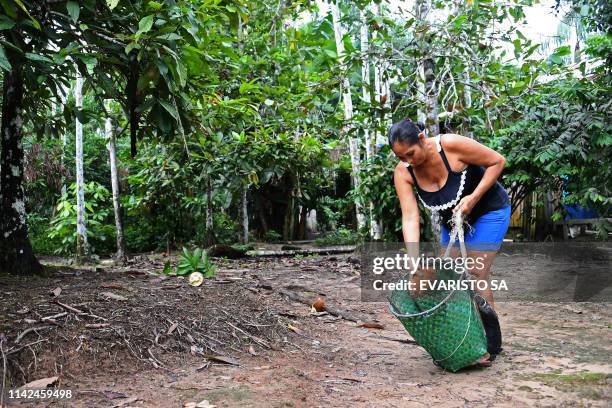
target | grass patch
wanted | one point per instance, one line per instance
(584, 383)
(237, 394)
(586, 377)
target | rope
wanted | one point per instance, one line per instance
(456, 233)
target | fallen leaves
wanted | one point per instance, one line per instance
(39, 384)
(221, 359)
(97, 325)
(111, 285)
(56, 292)
(295, 329)
(113, 296)
(125, 402)
(201, 404)
(172, 328)
(371, 325)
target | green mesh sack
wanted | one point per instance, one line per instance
(445, 322)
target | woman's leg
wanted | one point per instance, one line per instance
(483, 242)
(482, 272)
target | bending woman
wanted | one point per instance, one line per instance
(454, 173)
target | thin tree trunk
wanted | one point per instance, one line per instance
(379, 137)
(365, 81)
(112, 154)
(210, 229)
(375, 224)
(348, 112)
(262, 219)
(467, 89)
(82, 247)
(16, 255)
(290, 209)
(467, 95)
(63, 97)
(301, 232)
(245, 215)
(428, 98)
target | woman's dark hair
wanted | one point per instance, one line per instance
(406, 132)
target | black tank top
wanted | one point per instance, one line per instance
(459, 185)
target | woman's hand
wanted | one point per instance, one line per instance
(466, 204)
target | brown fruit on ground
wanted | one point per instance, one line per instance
(319, 304)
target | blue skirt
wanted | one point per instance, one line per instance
(487, 234)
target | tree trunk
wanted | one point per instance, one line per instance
(245, 215)
(112, 154)
(375, 223)
(16, 255)
(379, 138)
(365, 82)
(467, 94)
(301, 232)
(290, 209)
(262, 220)
(210, 227)
(428, 98)
(348, 112)
(63, 97)
(82, 248)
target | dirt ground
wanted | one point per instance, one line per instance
(281, 354)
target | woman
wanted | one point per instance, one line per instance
(454, 173)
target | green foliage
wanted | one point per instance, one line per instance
(377, 187)
(334, 211)
(341, 236)
(272, 236)
(213, 112)
(100, 230)
(244, 247)
(196, 261)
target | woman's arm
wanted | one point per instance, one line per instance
(470, 151)
(410, 209)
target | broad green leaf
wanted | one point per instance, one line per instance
(331, 53)
(112, 3)
(153, 5)
(37, 57)
(131, 46)
(23, 7)
(563, 51)
(9, 9)
(73, 10)
(4, 62)
(170, 37)
(459, 21)
(169, 108)
(557, 56)
(6, 23)
(145, 24)
(181, 71)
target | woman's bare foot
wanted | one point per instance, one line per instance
(484, 361)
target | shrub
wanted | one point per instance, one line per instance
(341, 236)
